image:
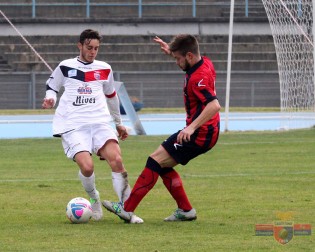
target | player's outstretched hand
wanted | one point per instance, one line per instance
(122, 132)
(164, 46)
(48, 103)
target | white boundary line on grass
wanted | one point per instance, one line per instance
(266, 142)
(247, 174)
(183, 175)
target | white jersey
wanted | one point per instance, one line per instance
(83, 101)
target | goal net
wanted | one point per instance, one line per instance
(291, 23)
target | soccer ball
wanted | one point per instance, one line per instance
(79, 210)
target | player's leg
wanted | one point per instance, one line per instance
(148, 177)
(86, 172)
(77, 147)
(87, 177)
(174, 185)
(112, 154)
(143, 185)
(105, 145)
(182, 153)
(145, 182)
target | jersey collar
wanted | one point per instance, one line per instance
(84, 63)
(195, 67)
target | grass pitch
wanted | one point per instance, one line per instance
(247, 179)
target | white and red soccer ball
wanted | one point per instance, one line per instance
(79, 210)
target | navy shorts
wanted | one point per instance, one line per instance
(182, 154)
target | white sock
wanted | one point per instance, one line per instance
(121, 185)
(88, 184)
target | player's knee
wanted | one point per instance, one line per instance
(116, 164)
(87, 170)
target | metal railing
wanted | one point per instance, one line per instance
(140, 4)
(29, 90)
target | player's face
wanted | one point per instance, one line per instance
(89, 50)
(181, 61)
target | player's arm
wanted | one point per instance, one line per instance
(50, 99)
(113, 106)
(164, 46)
(53, 85)
(208, 112)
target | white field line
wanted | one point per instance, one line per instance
(270, 142)
(234, 143)
(183, 175)
(247, 174)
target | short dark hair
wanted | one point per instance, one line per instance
(89, 34)
(184, 43)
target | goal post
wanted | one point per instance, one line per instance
(291, 23)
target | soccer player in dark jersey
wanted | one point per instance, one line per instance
(199, 136)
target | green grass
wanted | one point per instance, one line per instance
(245, 180)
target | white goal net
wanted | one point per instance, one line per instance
(291, 23)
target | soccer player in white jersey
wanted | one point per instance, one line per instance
(82, 119)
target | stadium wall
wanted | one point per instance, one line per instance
(138, 62)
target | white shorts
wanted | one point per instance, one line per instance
(87, 138)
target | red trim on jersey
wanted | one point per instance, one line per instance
(207, 140)
(111, 95)
(96, 75)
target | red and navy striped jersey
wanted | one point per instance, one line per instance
(199, 90)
